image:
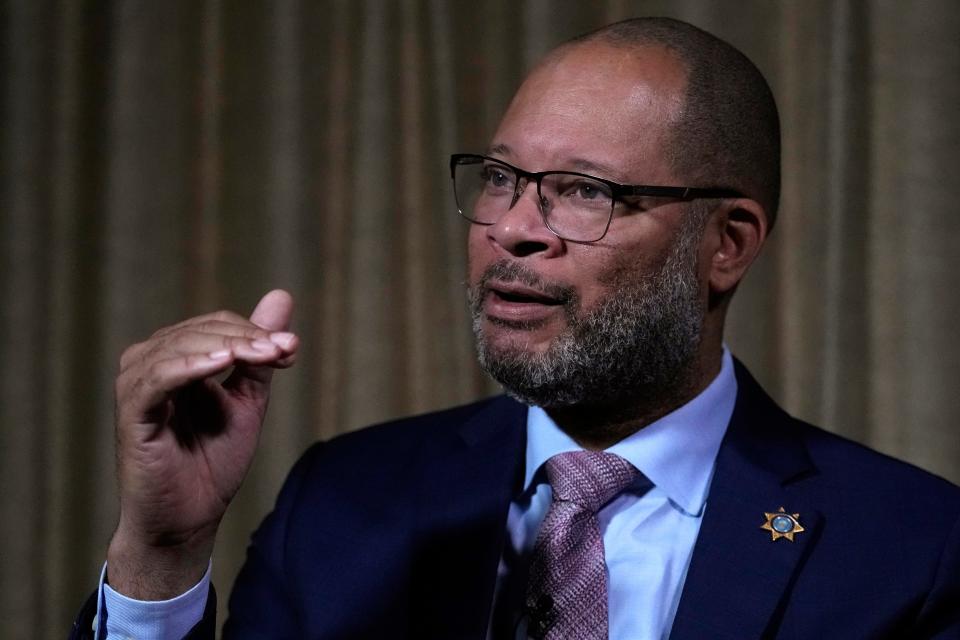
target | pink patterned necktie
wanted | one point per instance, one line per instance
(567, 588)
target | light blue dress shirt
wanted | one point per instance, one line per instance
(154, 619)
(648, 531)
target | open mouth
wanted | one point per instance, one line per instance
(519, 294)
(517, 306)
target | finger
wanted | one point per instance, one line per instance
(138, 397)
(277, 344)
(240, 351)
(225, 322)
(207, 337)
(245, 329)
(273, 312)
(223, 315)
(285, 362)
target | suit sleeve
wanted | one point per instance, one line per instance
(940, 615)
(261, 604)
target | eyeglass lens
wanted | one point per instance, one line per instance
(574, 207)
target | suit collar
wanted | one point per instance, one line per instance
(739, 577)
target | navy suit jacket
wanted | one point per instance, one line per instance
(396, 532)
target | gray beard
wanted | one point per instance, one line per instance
(638, 347)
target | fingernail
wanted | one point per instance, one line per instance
(282, 339)
(263, 345)
(219, 355)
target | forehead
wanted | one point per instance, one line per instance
(595, 103)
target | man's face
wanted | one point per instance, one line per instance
(559, 322)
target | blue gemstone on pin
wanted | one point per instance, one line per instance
(782, 524)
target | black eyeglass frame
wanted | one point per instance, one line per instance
(617, 190)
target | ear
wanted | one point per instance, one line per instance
(738, 228)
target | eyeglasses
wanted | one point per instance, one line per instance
(575, 206)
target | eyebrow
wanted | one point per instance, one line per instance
(603, 170)
(575, 164)
(501, 149)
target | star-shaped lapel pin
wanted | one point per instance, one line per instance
(782, 524)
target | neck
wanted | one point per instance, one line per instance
(599, 426)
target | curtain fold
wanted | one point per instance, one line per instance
(162, 160)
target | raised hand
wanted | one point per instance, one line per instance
(186, 440)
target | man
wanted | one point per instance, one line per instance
(650, 490)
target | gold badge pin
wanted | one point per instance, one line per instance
(782, 524)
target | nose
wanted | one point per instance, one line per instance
(521, 231)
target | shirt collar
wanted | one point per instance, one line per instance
(676, 453)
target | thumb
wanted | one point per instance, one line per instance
(274, 311)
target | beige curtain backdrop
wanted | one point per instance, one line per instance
(162, 159)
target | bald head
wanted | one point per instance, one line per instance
(598, 108)
(727, 133)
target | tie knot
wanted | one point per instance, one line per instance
(589, 479)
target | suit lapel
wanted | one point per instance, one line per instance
(739, 577)
(468, 482)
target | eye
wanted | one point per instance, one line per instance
(496, 178)
(588, 191)
(584, 191)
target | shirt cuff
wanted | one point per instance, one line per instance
(154, 619)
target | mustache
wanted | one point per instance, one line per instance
(508, 271)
